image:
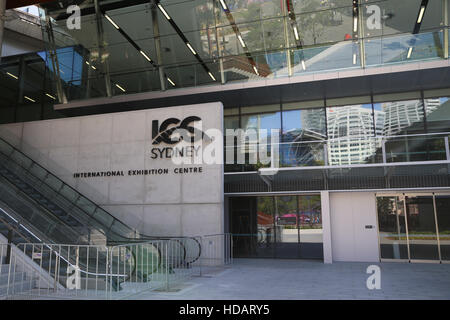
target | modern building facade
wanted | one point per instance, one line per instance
(358, 90)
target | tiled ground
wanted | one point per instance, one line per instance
(297, 279)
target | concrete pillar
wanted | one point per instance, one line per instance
(326, 227)
(2, 23)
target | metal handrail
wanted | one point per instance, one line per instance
(142, 238)
(59, 221)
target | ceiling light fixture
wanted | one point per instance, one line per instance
(241, 41)
(224, 5)
(118, 86)
(163, 11)
(211, 75)
(112, 22)
(409, 52)
(422, 11)
(29, 99)
(145, 56)
(171, 82)
(50, 96)
(190, 48)
(12, 76)
(296, 33)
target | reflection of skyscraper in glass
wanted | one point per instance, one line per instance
(350, 134)
(400, 115)
(304, 145)
(431, 105)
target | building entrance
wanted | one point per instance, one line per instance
(288, 226)
(414, 227)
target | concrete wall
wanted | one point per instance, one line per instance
(171, 204)
(350, 213)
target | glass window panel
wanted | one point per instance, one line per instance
(392, 228)
(399, 117)
(310, 227)
(239, 68)
(247, 10)
(259, 127)
(443, 218)
(189, 15)
(317, 5)
(351, 134)
(230, 111)
(415, 148)
(404, 48)
(348, 101)
(343, 55)
(260, 109)
(325, 26)
(263, 35)
(264, 121)
(436, 93)
(421, 228)
(303, 134)
(231, 122)
(396, 96)
(438, 114)
(286, 225)
(266, 229)
(399, 16)
(303, 104)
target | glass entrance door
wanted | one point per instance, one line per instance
(288, 226)
(422, 235)
(409, 226)
(443, 221)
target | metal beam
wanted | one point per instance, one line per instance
(156, 34)
(2, 23)
(101, 48)
(54, 60)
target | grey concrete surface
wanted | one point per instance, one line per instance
(262, 279)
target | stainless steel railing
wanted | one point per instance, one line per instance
(49, 271)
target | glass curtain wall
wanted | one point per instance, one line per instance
(127, 48)
(352, 130)
(414, 227)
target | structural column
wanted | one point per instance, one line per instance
(326, 226)
(445, 13)
(101, 48)
(2, 23)
(155, 24)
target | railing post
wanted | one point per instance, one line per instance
(8, 248)
(383, 149)
(201, 255)
(56, 268)
(447, 148)
(167, 265)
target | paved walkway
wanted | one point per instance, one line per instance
(299, 279)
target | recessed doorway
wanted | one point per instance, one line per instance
(285, 226)
(414, 227)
